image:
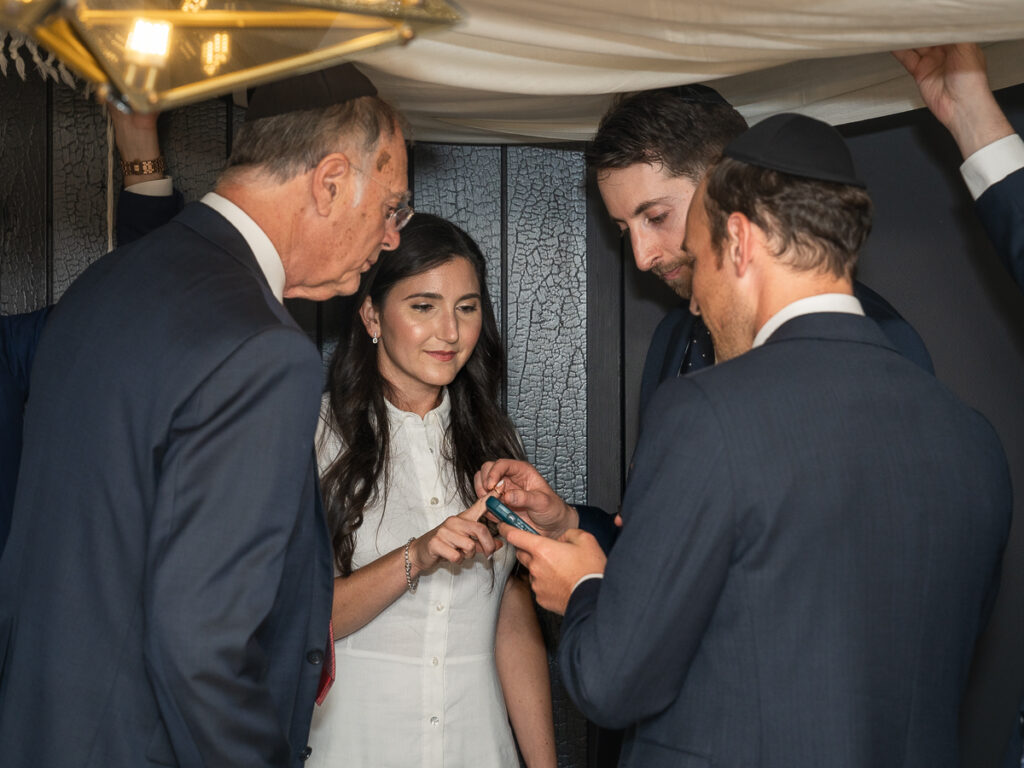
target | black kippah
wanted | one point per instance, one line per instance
(798, 145)
(695, 93)
(313, 90)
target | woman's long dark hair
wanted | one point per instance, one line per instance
(479, 430)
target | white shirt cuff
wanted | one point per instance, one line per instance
(585, 578)
(153, 188)
(993, 163)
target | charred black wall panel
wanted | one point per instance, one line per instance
(24, 241)
(79, 163)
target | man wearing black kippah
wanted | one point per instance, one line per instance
(802, 579)
(165, 594)
(649, 154)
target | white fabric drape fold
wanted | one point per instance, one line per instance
(543, 70)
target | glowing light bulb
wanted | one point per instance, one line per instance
(146, 48)
(148, 41)
(216, 52)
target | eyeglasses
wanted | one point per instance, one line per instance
(398, 215)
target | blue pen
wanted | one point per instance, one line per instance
(506, 515)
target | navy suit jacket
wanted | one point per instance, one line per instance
(19, 336)
(1001, 210)
(166, 589)
(668, 347)
(671, 337)
(801, 580)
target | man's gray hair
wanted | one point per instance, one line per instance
(287, 145)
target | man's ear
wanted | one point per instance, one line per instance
(330, 179)
(368, 313)
(739, 243)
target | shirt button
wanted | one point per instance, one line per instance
(304, 754)
(433, 501)
(435, 661)
(439, 607)
(315, 657)
(435, 720)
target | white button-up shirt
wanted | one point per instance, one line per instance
(418, 686)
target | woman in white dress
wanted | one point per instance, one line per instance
(436, 646)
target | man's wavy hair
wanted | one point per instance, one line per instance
(287, 145)
(820, 225)
(681, 129)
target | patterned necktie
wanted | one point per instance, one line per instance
(700, 350)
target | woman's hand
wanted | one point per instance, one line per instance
(460, 537)
(362, 595)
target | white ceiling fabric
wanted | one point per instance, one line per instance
(542, 70)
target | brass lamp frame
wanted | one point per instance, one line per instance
(59, 33)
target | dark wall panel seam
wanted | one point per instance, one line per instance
(48, 236)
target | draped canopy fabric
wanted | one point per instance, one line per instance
(545, 70)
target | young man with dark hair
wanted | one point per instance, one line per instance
(650, 152)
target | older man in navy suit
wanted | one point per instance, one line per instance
(165, 594)
(813, 528)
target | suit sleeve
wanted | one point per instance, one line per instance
(628, 639)
(19, 338)
(1001, 210)
(236, 467)
(138, 215)
(599, 524)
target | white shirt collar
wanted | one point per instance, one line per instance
(440, 415)
(264, 250)
(823, 302)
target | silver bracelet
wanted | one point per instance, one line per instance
(408, 568)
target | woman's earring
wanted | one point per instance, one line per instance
(375, 338)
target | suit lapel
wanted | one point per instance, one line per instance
(676, 348)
